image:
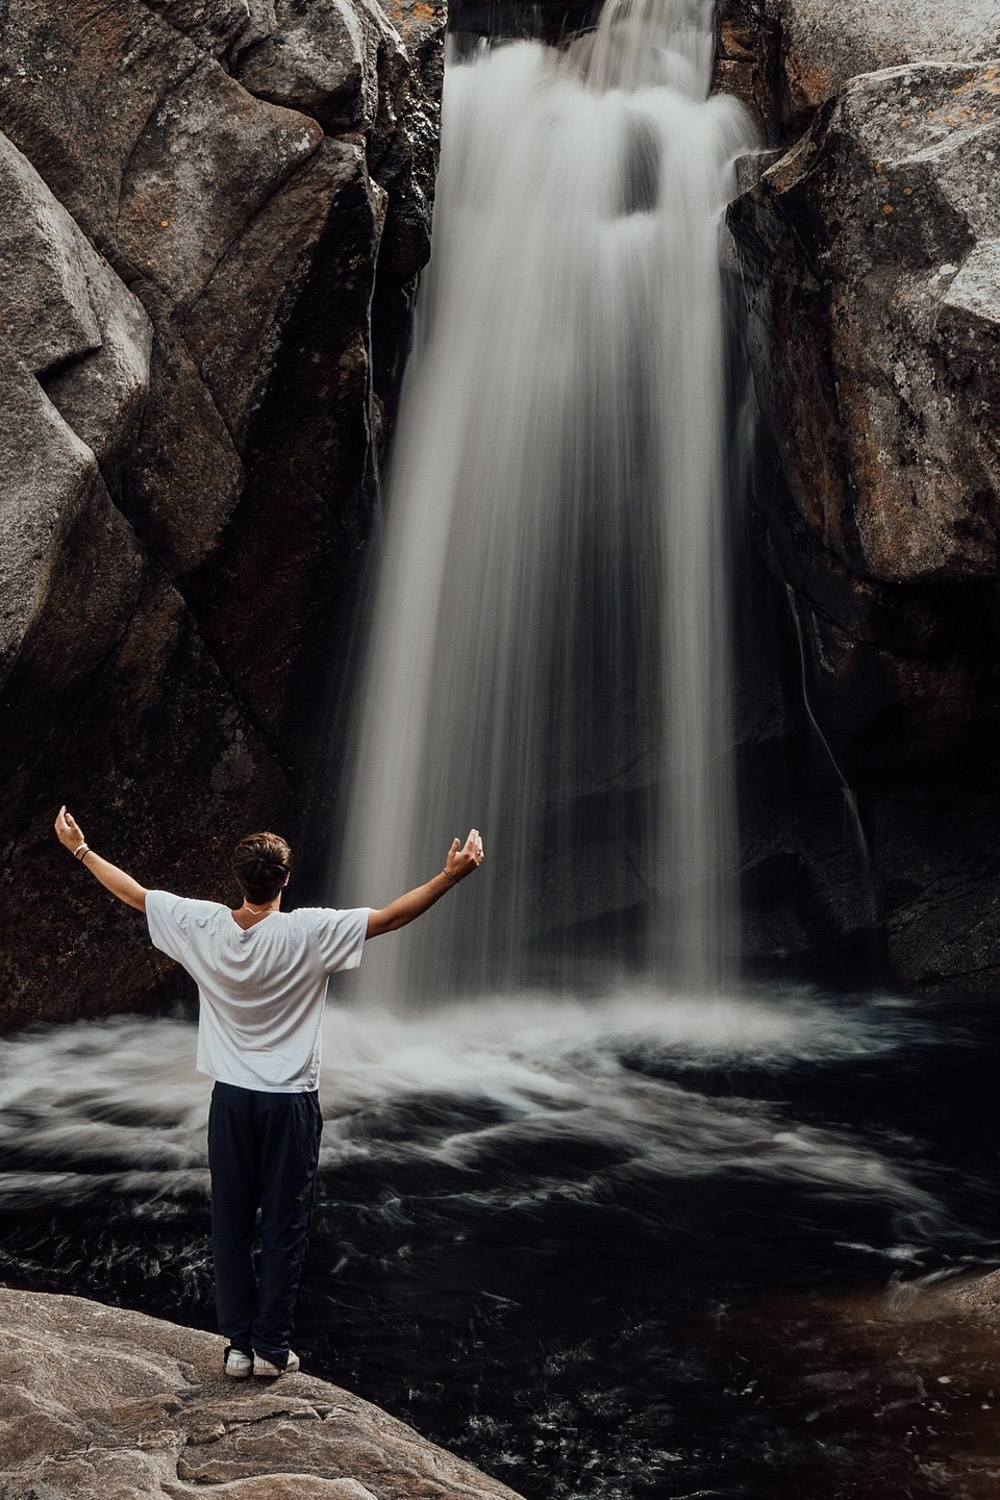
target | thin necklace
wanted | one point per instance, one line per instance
(258, 909)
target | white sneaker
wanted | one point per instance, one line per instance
(238, 1365)
(264, 1368)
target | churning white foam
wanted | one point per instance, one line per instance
(118, 1102)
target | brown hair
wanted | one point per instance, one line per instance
(261, 863)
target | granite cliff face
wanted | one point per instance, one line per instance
(212, 215)
(868, 253)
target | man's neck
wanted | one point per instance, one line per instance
(248, 915)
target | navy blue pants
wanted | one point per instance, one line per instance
(263, 1150)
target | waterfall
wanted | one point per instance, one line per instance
(548, 651)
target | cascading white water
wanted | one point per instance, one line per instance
(549, 654)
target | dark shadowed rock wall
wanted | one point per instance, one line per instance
(212, 216)
(868, 253)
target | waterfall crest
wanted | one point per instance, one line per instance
(548, 652)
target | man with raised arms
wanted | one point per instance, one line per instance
(262, 975)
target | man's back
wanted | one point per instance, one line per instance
(261, 987)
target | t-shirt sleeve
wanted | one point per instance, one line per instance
(340, 936)
(165, 917)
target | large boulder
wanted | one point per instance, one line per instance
(75, 347)
(787, 57)
(869, 257)
(210, 265)
(100, 1402)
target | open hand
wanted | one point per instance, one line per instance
(68, 831)
(462, 861)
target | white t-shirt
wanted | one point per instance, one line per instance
(262, 990)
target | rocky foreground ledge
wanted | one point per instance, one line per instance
(99, 1402)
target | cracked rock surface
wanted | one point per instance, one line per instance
(785, 58)
(212, 217)
(102, 1404)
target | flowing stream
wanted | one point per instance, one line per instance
(549, 650)
(607, 1250)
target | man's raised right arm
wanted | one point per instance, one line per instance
(118, 882)
(459, 863)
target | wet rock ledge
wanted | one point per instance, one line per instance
(102, 1402)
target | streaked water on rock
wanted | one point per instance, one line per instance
(549, 648)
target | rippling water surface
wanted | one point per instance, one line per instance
(638, 1246)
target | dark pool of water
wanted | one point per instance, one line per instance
(640, 1248)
